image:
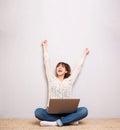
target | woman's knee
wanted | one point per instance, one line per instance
(83, 111)
(39, 113)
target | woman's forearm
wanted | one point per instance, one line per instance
(85, 53)
(45, 52)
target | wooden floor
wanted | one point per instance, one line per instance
(86, 124)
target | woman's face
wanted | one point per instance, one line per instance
(61, 70)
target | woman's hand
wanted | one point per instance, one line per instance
(44, 43)
(86, 51)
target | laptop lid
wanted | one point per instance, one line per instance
(60, 106)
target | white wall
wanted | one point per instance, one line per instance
(69, 26)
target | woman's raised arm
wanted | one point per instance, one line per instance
(46, 58)
(78, 66)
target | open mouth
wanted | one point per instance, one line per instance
(59, 70)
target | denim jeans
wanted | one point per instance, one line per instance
(61, 119)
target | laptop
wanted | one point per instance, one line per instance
(62, 106)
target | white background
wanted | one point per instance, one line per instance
(69, 26)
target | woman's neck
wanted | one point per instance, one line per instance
(61, 78)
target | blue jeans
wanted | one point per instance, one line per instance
(61, 119)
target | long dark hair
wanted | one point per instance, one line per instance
(67, 67)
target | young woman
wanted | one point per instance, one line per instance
(60, 86)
